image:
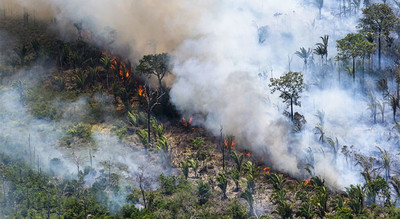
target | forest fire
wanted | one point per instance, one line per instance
(307, 182)
(267, 170)
(248, 154)
(141, 91)
(229, 142)
(118, 66)
(187, 123)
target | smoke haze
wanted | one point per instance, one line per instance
(224, 54)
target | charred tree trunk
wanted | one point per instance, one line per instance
(354, 69)
(222, 145)
(148, 125)
(379, 50)
(291, 108)
(363, 70)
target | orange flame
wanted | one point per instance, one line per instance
(267, 170)
(232, 146)
(187, 123)
(307, 182)
(248, 154)
(141, 91)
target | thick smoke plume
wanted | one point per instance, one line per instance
(225, 52)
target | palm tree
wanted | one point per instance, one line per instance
(320, 51)
(381, 107)
(194, 164)
(357, 4)
(386, 160)
(238, 158)
(248, 196)
(229, 143)
(284, 209)
(163, 146)
(106, 61)
(319, 4)
(305, 55)
(306, 210)
(236, 178)
(322, 48)
(334, 146)
(394, 103)
(356, 198)
(320, 130)
(251, 174)
(277, 181)
(222, 183)
(185, 168)
(396, 186)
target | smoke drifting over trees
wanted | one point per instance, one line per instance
(224, 54)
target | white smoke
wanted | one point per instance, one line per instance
(223, 65)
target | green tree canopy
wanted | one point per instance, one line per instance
(380, 20)
(290, 85)
(157, 65)
(353, 46)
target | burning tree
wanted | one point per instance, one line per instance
(157, 65)
(290, 85)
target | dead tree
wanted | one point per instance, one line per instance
(143, 183)
(153, 98)
(78, 160)
(222, 146)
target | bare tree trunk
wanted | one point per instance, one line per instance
(354, 69)
(291, 108)
(379, 51)
(109, 172)
(148, 125)
(223, 149)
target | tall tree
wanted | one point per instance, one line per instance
(305, 55)
(352, 46)
(394, 103)
(152, 98)
(320, 5)
(378, 19)
(290, 85)
(367, 48)
(322, 48)
(157, 65)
